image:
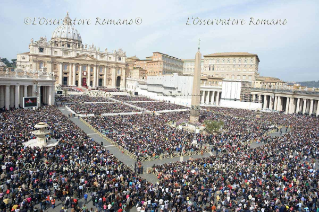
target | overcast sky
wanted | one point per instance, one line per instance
(289, 52)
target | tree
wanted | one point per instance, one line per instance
(213, 126)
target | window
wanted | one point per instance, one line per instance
(69, 45)
(41, 49)
(55, 53)
(65, 67)
(41, 65)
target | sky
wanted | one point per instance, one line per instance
(289, 52)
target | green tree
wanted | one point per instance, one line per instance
(213, 126)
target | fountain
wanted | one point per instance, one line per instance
(41, 140)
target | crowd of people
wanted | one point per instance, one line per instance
(158, 106)
(126, 98)
(281, 174)
(146, 135)
(75, 99)
(100, 108)
(108, 89)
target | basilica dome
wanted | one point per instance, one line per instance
(66, 31)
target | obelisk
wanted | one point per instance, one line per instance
(194, 116)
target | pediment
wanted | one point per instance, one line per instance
(85, 57)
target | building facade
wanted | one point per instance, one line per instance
(73, 63)
(189, 66)
(160, 64)
(232, 65)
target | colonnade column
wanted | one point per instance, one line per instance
(298, 106)
(304, 106)
(275, 102)
(207, 97)
(7, 98)
(2, 96)
(61, 73)
(287, 105)
(270, 103)
(74, 74)
(80, 76)
(265, 102)
(311, 107)
(279, 106)
(292, 105)
(16, 96)
(217, 98)
(317, 113)
(213, 98)
(202, 97)
(254, 98)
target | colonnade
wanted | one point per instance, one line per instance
(296, 103)
(11, 96)
(210, 97)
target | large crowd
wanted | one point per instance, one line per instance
(280, 175)
(158, 106)
(100, 108)
(126, 98)
(146, 135)
(75, 99)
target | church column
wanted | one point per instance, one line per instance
(94, 76)
(61, 73)
(113, 77)
(74, 74)
(317, 113)
(275, 102)
(207, 98)
(287, 105)
(70, 74)
(298, 106)
(39, 96)
(50, 95)
(7, 98)
(80, 76)
(104, 80)
(123, 78)
(88, 70)
(265, 101)
(311, 107)
(304, 106)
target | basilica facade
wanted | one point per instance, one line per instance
(73, 63)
